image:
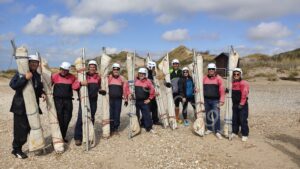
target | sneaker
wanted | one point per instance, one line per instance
(207, 132)
(186, 123)
(219, 136)
(244, 138)
(179, 121)
(78, 142)
(233, 135)
(19, 154)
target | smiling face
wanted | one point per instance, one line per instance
(211, 71)
(92, 69)
(116, 71)
(185, 73)
(33, 65)
(142, 76)
(64, 72)
(236, 75)
(175, 66)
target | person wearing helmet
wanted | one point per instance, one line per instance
(93, 83)
(240, 91)
(153, 104)
(176, 74)
(118, 91)
(144, 93)
(18, 82)
(186, 88)
(214, 96)
(63, 86)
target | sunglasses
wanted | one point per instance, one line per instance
(236, 74)
(185, 72)
(116, 69)
(211, 69)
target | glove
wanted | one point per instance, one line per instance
(168, 85)
(102, 92)
(126, 103)
(226, 90)
(240, 107)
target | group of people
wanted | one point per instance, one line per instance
(214, 97)
(64, 83)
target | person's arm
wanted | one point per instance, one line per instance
(244, 92)
(19, 81)
(126, 91)
(76, 84)
(151, 90)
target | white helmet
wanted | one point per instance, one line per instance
(116, 65)
(33, 57)
(151, 65)
(185, 68)
(175, 61)
(211, 66)
(92, 62)
(65, 65)
(238, 70)
(142, 70)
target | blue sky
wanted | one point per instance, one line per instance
(59, 28)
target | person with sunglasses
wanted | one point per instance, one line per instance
(240, 91)
(187, 92)
(214, 96)
(118, 90)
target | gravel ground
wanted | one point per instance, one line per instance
(274, 140)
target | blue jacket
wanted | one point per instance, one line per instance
(184, 90)
(17, 83)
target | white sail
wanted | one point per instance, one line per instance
(57, 140)
(134, 127)
(164, 66)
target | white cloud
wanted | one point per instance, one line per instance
(267, 31)
(40, 24)
(70, 3)
(176, 35)
(168, 10)
(75, 26)
(112, 27)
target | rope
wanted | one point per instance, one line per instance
(106, 121)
